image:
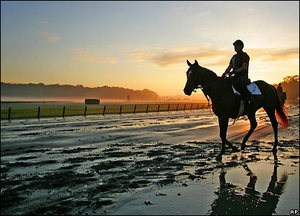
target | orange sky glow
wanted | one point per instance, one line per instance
(144, 45)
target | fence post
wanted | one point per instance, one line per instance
(168, 107)
(84, 114)
(134, 109)
(177, 107)
(147, 108)
(104, 110)
(64, 110)
(9, 113)
(158, 108)
(39, 111)
(120, 110)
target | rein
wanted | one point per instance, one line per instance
(208, 99)
(204, 90)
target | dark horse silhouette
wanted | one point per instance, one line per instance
(225, 103)
(230, 200)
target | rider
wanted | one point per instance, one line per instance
(279, 89)
(280, 93)
(239, 75)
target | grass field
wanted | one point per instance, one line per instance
(36, 111)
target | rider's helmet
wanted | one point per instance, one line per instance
(239, 43)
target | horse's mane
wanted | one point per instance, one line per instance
(210, 72)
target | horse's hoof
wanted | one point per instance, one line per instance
(219, 157)
(235, 149)
(243, 147)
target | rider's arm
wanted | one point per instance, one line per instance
(228, 68)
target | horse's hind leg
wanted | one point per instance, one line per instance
(274, 122)
(234, 149)
(253, 125)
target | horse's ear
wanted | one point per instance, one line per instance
(189, 63)
(196, 62)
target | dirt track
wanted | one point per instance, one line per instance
(82, 165)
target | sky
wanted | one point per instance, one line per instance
(144, 44)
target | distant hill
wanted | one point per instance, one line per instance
(42, 91)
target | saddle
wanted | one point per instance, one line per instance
(253, 88)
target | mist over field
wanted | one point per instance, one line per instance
(69, 92)
(57, 92)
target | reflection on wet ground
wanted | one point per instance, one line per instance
(232, 199)
(247, 183)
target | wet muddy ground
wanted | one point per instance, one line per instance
(127, 166)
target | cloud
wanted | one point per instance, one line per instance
(179, 55)
(271, 54)
(50, 37)
(208, 56)
(86, 55)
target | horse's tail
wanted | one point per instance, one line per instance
(281, 113)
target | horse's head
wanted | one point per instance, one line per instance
(193, 75)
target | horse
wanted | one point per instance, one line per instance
(225, 104)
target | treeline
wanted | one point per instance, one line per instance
(290, 85)
(75, 92)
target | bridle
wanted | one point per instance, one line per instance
(204, 88)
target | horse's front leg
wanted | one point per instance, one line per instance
(223, 124)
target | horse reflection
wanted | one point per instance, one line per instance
(230, 201)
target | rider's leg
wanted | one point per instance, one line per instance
(240, 84)
(248, 94)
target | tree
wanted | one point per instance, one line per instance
(290, 85)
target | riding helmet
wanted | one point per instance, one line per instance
(239, 43)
